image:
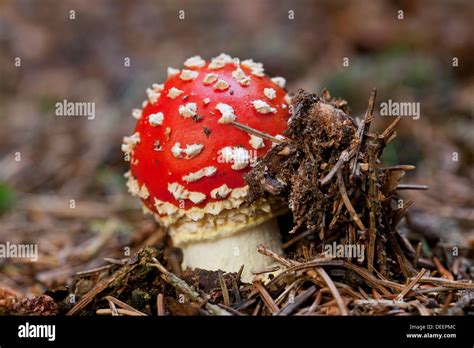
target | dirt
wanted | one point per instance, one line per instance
(320, 129)
(328, 173)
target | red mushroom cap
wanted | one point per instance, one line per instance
(184, 152)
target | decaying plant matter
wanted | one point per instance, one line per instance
(330, 173)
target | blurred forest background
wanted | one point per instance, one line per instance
(82, 59)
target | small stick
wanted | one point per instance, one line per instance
(387, 133)
(363, 125)
(257, 309)
(285, 292)
(297, 238)
(181, 285)
(404, 167)
(442, 270)
(300, 299)
(87, 298)
(107, 311)
(246, 304)
(422, 309)
(429, 290)
(370, 109)
(371, 279)
(372, 178)
(316, 303)
(265, 251)
(93, 271)
(239, 273)
(225, 291)
(159, 305)
(410, 285)
(113, 309)
(258, 133)
(447, 302)
(267, 299)
(120, 262)
(412, 187)
(347, 202)
(235, 288)
(266, 270)
(340, 303)
(448, 283)
(344, 157)
(231, 310)
(292, 267)
(124, 305)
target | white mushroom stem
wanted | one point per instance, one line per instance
(230, 253)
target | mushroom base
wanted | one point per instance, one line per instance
(231, 252)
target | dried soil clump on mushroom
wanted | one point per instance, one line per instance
(292, 170)
(328, 172)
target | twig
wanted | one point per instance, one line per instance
(405, 266)
(246, 304)
(370, 109)
(113, 309)
(316, 303)
(257, 309)
(225, 292)
(297, 238)
(377, 283)
(267, 299)
(422, 309)
(266, 270)
(443, 271)
(344, 157)
(107, 311)
(236, 291)
(340, 303)
(412, 187)
(373, 195)
(389, 131)
(285, 292)
(347, 202)
(87, 298)
(124, 305)
(258, 133)
(93, 271)
(448, 283)
(120, 262)
(295, 266)
(410, 285)
(298, 301)
(430, 290)
(404, 167)
(265, 251)
(361, 130)
(159, 305)
(181, 285)
(231, 310)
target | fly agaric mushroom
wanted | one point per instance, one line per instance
(188, 161)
